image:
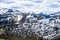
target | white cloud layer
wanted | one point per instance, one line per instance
(46, 6)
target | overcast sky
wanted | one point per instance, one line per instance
(46, 6)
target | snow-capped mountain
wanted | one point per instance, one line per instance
(40, 24)
(31, 17)
(55, 13)
(14, 10)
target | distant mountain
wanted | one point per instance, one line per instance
(55, 13)
(10, 10)
(45, 15)
(32, 13)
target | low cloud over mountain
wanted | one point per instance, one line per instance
(46, 6)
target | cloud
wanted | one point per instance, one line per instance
(46, 6)
(36, 1)
(54, 6)
(58, 1)
(3, 5)
(6, 1)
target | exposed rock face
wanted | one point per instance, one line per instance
(49, 28)
(2, 31)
